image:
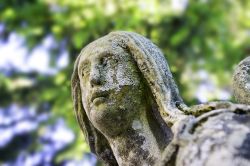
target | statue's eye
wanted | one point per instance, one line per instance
(109, 61)
(104, 62)
(114, 61)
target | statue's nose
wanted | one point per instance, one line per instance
(95, 76)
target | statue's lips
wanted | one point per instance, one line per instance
(99, 95)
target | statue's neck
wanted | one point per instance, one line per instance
(137, 145)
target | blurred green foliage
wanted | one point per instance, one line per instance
(206, 35)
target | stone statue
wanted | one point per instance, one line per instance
(129, 108)
(241, 81)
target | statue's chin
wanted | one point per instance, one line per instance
(110, 121)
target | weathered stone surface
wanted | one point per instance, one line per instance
(241, 82)
(222, 139)
(129, 108)
(215, 132)
(218, 136)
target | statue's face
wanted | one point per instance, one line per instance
(111, 86)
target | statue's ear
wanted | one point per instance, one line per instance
(97, 142)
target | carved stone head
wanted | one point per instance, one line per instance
(113, 77)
